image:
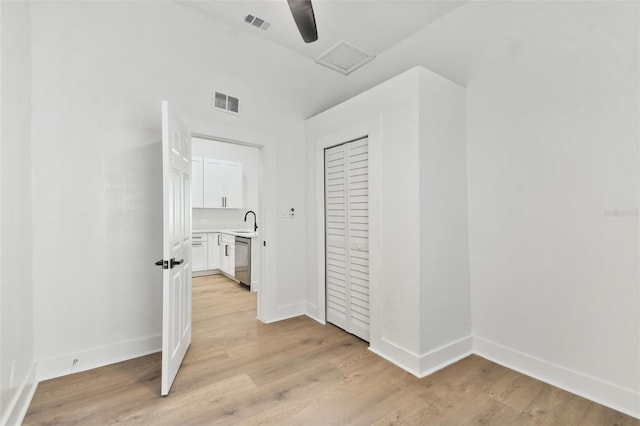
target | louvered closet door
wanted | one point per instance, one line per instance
(336, 237)
(347, 236)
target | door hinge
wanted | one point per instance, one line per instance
(264, 243)
(163, 263)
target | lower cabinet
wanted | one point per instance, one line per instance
(205, 251)
(213, 247)
(199, 252)
(227, 254)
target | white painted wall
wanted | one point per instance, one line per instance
(100, 70)
(553, 150)
(250, 159)
(16, 289)
(419, 304)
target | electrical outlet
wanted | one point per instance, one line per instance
(12, 373)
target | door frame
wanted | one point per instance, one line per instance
(263, 287)
(370, 129)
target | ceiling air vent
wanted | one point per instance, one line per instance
(257, 22)
(344, 57)
(226, 103)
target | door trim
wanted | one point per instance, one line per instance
(370, 129)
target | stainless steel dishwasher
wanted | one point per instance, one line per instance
(243, 260)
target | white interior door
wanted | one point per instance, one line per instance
(347, 236)
(176, 262)
(337, 287)
(357, 160)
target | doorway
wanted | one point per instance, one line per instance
(226, 236)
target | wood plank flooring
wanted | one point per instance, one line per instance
(298, 372)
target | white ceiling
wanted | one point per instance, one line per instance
(373, 26)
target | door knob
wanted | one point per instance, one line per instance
(163, 263)
(173, 262)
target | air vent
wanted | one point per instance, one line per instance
(226, 103)
(344, 57)
(257, 22)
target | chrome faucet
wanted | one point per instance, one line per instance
(255, 223)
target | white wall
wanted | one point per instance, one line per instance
(100, 70)
(251, 164)
(553, 149)
(16, 290)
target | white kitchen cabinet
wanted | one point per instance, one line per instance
(222, 187)
(197, 180)
(199, 253)
(227, 254)
(213, 249)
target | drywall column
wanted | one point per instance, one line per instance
(445, 311)
(419, 286)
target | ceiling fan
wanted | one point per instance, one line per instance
(302, 12)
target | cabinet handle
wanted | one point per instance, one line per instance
(196, 244)
(226, 250)
(219, 235)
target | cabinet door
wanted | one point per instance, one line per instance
(233, 186)
(224, 258)
(197, 179)
(199, 256)
(228, 258)
(231, 269)
(213, 249)
(213, 187)
(221, 257)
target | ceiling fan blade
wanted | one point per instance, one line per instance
(302, 12)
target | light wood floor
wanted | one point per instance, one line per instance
(298, 372)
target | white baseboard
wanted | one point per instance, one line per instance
(285, 312)
(421, 365)
(396, 354)
(311, 311)
(19, 405)
(205, 273)
(443, 356)
(621, 399)
(97, 357)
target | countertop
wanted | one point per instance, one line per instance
(236, 232)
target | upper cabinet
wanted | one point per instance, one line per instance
(197, 179)
(219, 184)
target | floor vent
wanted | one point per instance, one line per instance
(257, 22)
(226, 103)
